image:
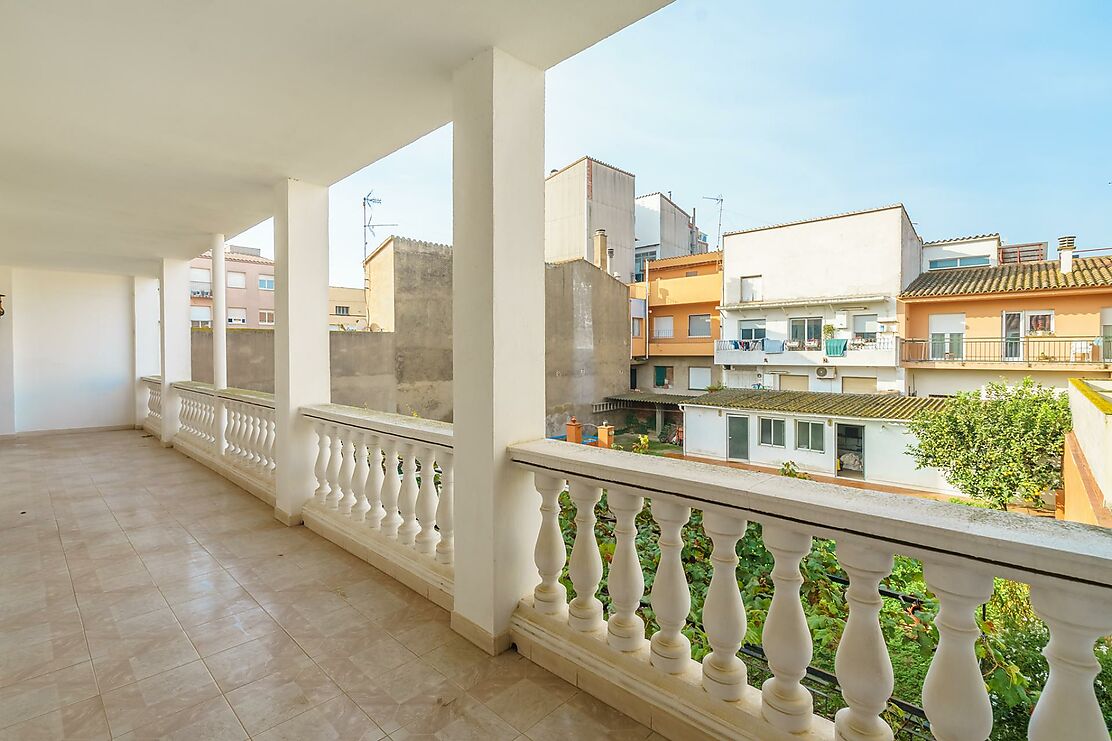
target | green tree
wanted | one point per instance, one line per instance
(999, 445)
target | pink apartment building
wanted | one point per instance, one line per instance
(250, 278)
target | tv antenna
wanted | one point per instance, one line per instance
(369, 202)
(720, 200)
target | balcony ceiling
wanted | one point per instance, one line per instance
(134, 129)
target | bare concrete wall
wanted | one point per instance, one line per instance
(423, 328)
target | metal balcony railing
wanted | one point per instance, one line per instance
(1031, 349)
(200, 289)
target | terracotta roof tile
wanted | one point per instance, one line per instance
(1044, 275)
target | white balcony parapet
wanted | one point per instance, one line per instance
(152, 423)
(1068, 566)
(377, 494)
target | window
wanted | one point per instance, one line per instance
(266, 282)
(237, 316)
(752, 288)
(200, 275)
(751, 329)
(970, 261)
(237, 280)
(343, 311)
(698, 378)
(639, 260)
(691, 273)
(698, 325)
(638, 326)
(805, 332)
(1039, 322)
(865, 327)
(266, 316)
(772, 432)
(662, 327)
(810, 436)
(662, 376)
(947, 336)
(200, 316)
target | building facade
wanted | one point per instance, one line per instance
(1047, 319)
(582, 198)
(250, 288)
(812, 305)
(674, 323)
(663, 230)
(347, 309)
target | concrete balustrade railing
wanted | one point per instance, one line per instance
(153, 421)
(1068, 566)
(385, 493)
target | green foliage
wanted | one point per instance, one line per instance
(997, 447)
(641, 445)
(791, 470)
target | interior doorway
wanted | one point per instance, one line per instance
(850, 441)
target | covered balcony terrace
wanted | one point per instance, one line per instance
(195, 561)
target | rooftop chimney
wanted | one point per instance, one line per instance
(1065, 253)
(601, 255)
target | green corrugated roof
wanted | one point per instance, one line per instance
(869, 406)
(653, 398)
(1043, 275)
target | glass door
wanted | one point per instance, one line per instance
(1013, 335)
(737, 431)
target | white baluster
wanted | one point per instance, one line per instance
(445, 512)
(585, 565)
(785, 703)
(359, 479)
(391, 485)
(1077, 615)
(407, 496)
(724, 674)
(625, 630)
(321, 468)
(375, 512)
(671, 596)
(229, 431)
(426, 504)
(861, 662)
(335, 460)
(550, 597)
(347, 470)
(954, 695)
(256, 439)
(271, 431)
(235, 425)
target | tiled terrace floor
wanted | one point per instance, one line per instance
(143, 597)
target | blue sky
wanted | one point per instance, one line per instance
(978, 117)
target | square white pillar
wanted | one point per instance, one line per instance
(498, 326)
(301, 367)
(176, 351)
(219, 336)
(147, 341)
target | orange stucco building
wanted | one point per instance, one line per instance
(674, 323)
(965, 327)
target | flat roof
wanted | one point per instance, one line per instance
(699, 258)
(816, 218)
(821, 404)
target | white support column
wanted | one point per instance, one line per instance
(301, 365)
(146, 347)
(176, 339)
(219, 336)
(498, 329)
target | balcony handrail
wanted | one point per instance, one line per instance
(1030, 548)
(398, 426)
(246, 396)
(1029, 337)
(155, 380)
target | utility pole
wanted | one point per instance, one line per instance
(720, 200)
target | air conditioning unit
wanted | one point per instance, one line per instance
(826, 371)
(728, 367)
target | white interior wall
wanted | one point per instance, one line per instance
(7, 355)
(73, 350)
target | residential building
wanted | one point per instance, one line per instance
(674, 322)
(1087, 462)
(1047, 319)
(347, 309)
(861, 437)
(811, 305)
(580, 199)
(587, 350)
(250, 284)
(663, 229)
(326, 517)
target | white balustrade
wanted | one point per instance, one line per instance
(427, 504)
(671, 595)
(625, 630)
(785, 703)
(248, 435)
(585, 566)
(407, 496)
(154, 402)
(724, 674)
(375, 479)
(445, 512)
(550, 596)
(391, 489)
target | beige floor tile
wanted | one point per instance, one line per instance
(81, 721)
(100, 610)
(398, 698)
(255, 659)
(458, 659)
(214, 606)
(227, 632)
(27, 660)
(338, 719)
(211, 720)
(48, 692)
(525, 702)
(156, 698)
(129, 660)
(280, 696)
(192, 587)
(585, 717)
(462, 719)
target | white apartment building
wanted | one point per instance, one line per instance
(580, 199)
(663, 229)
(811, 305)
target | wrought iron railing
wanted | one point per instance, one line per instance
(1031, 349)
